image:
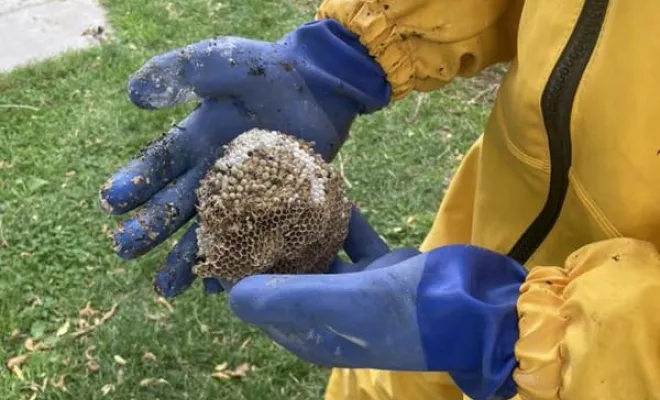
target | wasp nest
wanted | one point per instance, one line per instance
(270, 204)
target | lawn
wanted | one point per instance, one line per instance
(89, 324)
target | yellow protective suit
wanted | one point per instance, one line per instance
(565, 180)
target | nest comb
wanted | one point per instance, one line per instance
(272, 205)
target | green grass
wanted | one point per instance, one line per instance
(70, 126)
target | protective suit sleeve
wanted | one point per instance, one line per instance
(424, 44)
(591, 330)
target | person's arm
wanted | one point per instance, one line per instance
(591, 329)
(585, 330)
(422, 44)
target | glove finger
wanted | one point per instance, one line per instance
(175, 275)
(273, 299)
(357, 318)
(342, 267)
(161, 217)
(314, 346)
(362, 242)
(395, 257)
(366, 264)
(161, 162)
(213, 286)
(208, 69)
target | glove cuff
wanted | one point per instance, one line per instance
(378, 32)
(467, 318)
(337, 67)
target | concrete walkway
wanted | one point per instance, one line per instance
(33, 30)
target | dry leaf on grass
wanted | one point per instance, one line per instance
(18, 373)
(64, 329)
(88, 311)
(59, 383)
(221, 375)
(119, 360)
(222, 372)
(88, 352)
(107, 389)
(241, 370)
(148, 382)
(16, 361)
(35, 387)
(244, 344)
(33, 345)
(36, 302)
(106, 231)
(161, 301)
(93, 366)
(82, 324)
(155, 316)
(14, 365)
(6, 165)
(411, 221)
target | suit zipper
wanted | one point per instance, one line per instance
(556, 107)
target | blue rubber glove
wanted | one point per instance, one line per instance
(312, 83)
(451, 310)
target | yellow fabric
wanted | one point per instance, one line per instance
(600, 320)
(424, 44)
(591, 330)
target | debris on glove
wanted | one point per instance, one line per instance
(271, 205)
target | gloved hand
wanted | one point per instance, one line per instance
(452, 310)
(312, 83)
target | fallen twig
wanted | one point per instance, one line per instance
(421, 97)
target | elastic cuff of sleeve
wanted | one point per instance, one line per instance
(418, 56)
(547, 305)
(539, 350)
